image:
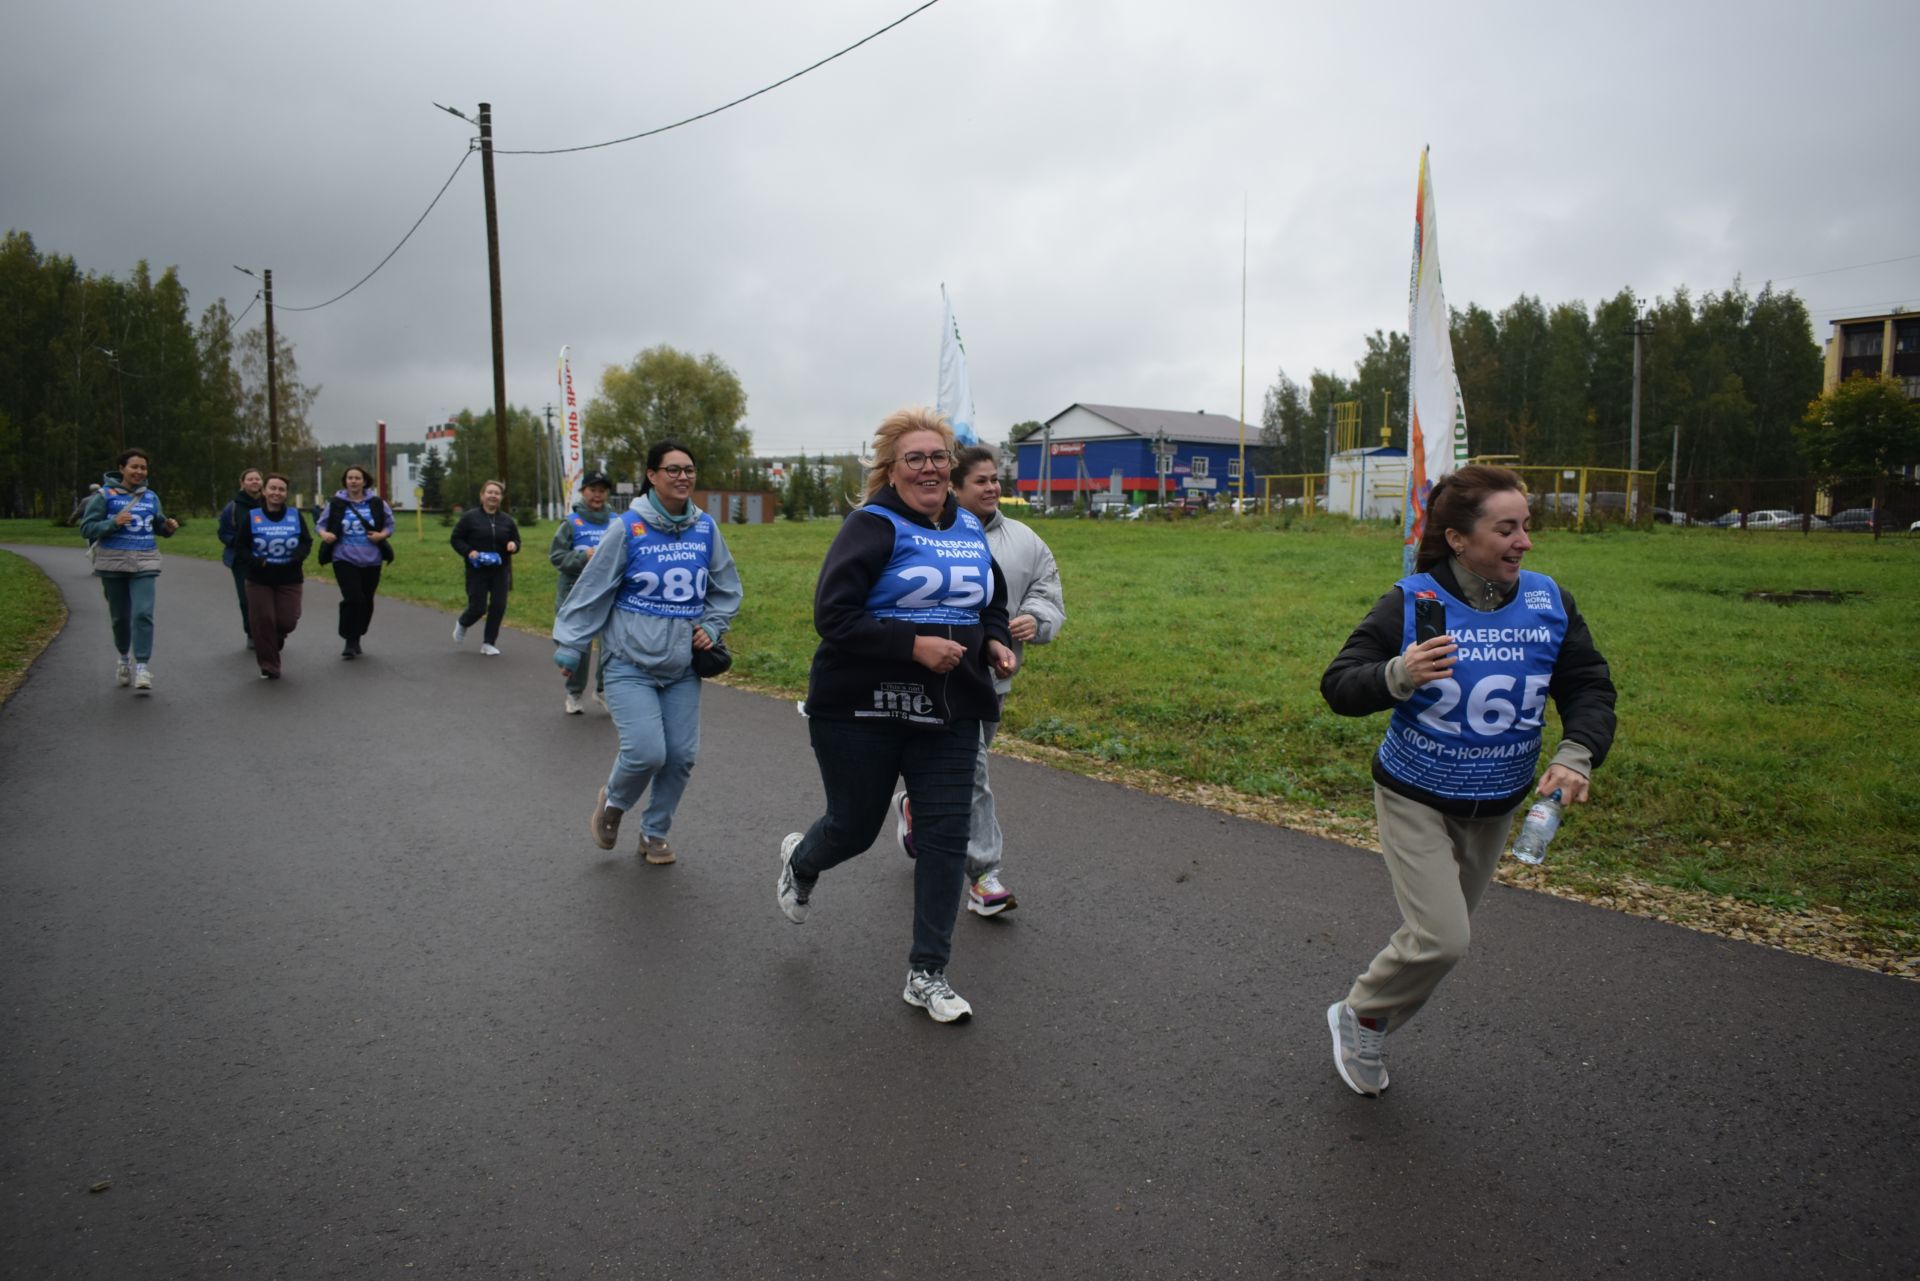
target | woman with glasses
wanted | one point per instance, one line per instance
(912, 619)
(659, 586)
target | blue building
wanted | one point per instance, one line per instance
(1109, 449)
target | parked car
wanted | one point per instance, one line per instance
(1665, 517)
(1859, 520)
(1773, 518)
(1728, 520)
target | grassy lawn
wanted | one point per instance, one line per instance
(31, 612)
(1765, 751)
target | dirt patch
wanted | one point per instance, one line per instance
(1801, 596)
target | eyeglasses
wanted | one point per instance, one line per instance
(939, 460)
(675, 471)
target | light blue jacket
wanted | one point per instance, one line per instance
(663, 646)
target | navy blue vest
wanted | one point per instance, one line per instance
(356, 522)
(666, 576)
(1475, 735)
(935, 575)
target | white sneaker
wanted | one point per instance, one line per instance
(988, 897)
(600, 697)
(903, 825)
(459, 632)
(928, 989)
(490, 651)
(142, 678)
(123, 674)
(791, 895)
(573, 706)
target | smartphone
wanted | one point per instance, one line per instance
(1429, 617)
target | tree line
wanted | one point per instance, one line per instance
(1733, 373)
(92, 364)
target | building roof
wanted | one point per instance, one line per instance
(1176, 423)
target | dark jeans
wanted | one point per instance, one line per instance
(358, 583)
(240, 590)
(487, 594)
(858, 762)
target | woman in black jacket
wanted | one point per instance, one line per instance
(487, 540)
(272, 544)
(912, 617)
(1465, 653)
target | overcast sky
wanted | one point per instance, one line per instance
(1073, 170)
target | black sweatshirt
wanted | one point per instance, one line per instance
(1355, 684)
(864, 667)
(476, 531)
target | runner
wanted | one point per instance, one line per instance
(355, 531)
(122, 522)
(1034, 598)
(1468, 703)
(487, 540)
(573, 546)
(278, 545)
(913, 627)
(233, 521)
(661, 587)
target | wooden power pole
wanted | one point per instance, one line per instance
(493, 290)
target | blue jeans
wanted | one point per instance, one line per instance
(130, 607)
(858, 762)
(659, 728)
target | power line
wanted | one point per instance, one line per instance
(634, 137)
(113, 359)
(1855, 267)
(464, 156)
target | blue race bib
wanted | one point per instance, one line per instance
(935, 575)
(137, 534)
(275, 542)
(666, 576)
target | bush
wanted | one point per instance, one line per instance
(525, 517)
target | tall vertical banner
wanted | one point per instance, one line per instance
(955, 397)
(572, 448)
(1436, 412)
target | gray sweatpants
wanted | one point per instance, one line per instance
(983, 839)
(1440, 868)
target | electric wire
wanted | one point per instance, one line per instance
(464, 157)
(635, 137)
(120, 370)
(1855, 267)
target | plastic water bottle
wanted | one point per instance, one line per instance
(1543, 820)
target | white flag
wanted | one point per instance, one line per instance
(1436, 413)
(955, 399)
(572, 447)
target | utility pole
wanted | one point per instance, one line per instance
(493, 293)
(1673, 477)
(1240, 508)
(551, 494)
(273, 397)
(1641, 328)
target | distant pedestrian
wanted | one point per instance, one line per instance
(488, 540)
(122, 522)
(233, 525)
(574, 543)
(356, 532)
(912, 617)
(278, 545)
(1038, 610)
(660, 589)
(1459, 757)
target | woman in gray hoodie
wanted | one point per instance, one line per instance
(660, 585)
(122, 522)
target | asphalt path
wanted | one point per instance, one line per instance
(323, 978)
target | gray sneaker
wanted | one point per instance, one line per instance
(1359, 1051)
(655, 850)
(123, 674)
(604, 827)
(928, 989)
(791, 894)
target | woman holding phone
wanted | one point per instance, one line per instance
(487, 540)
(1465, 653)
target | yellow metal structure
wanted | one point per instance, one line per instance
(1346, 425)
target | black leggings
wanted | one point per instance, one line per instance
(358, 583)
(487, 594)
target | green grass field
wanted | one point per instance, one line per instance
(31, 611)
(1766, 752)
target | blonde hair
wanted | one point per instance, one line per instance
(886, 442)
(500, 485)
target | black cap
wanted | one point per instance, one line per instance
(595, 478)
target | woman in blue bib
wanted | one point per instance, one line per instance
(122, 521)
(356, 526)
(1463, 746)
(659, 586)
(272, 546)
(912, 617)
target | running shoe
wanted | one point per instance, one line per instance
(986, 896)
(347, 650)
(604, 827)
(928, 989)
(123, 673)
(142, 678)
(1359, 1050)
(600, 697)
(573, 706)
(459, 632)
(655, 850)
(788, 891)
(903, 825)
(490, 651)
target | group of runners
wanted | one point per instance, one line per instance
(925, 602)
